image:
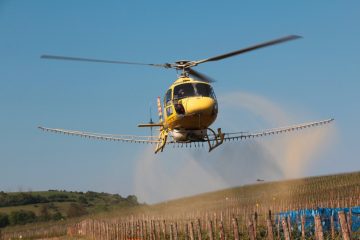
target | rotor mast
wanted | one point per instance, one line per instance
(183, 66)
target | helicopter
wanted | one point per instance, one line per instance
(189, 107)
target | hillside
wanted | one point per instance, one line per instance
(299, 193)
(27, 207)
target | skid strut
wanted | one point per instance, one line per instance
(163, 137)
(217, 141)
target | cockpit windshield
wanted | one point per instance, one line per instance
(184, 90)
(193, 89)
(204, 90)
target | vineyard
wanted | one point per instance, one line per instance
(325, 207)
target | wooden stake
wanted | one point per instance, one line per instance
(255, 222)
(132, 228)
(278, 227)
(251, 230)
(319, 235)
(349, 221)
(270, 235)
(171, 231)
(157, 230)
(332, 227)
(211, 231)
(141, 223)
(151, 230)
(199, 229)
(235, 228)
(145, 230)
(163, 229)
(186, 231)
(344, 226)
(154, 231)
(221, 231)
(176, 231)
(285, 229)
(303, 227)
(191, 231)
(289, 225)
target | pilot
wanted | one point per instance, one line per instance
(181, 93)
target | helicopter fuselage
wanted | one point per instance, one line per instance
(190, 107)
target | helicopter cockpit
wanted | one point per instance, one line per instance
(193, 90)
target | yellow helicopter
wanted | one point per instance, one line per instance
(189, 107)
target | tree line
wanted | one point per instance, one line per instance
(79, 204)
(19, 199)
(47, 212)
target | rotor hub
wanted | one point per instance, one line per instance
(182, 62)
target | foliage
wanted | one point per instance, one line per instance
(59, 197)
(20, 199)
(82, 200)
(22, 217)
(53, 196)
(21, 208)
(57, 216)
(4, 220)
(132, 200)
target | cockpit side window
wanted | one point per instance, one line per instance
(184, 90)
(168, 97)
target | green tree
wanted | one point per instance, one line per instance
(57, 216)
(82, 200)
(4, 220)
(22, 217)
(132, 200)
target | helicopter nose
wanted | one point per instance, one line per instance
(200, 105)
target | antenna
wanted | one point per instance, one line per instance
(151, 121)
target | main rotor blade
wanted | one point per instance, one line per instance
(248, 49)
(200, 76)
(53, 57)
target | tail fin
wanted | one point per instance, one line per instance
(159, 109)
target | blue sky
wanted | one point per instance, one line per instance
(313, 78)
